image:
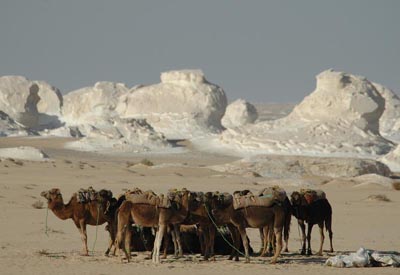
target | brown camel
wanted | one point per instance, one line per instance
(82, 214)
(198, 215)
(149, 215)
(312, 212)
(250, 216)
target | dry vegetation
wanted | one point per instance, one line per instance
(38, 204)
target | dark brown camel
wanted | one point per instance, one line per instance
(82, 214)
(251, 216)
(147, 215)
(317, 212)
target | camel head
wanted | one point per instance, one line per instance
(196, 201)
(52, 195)
(179, 197)
(221, 206)
(297, 199)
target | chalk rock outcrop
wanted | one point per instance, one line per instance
(34, 104)
(119, 135)
(90, 104)
(340, 118)
(389, 122)
(183, 105)
(274, 166)
(239, 113)
(23, 152)
(392, 159)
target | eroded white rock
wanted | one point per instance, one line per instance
(239, 113)
(34, 104)
(183, 105)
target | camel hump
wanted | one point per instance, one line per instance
(243, 201)
(312, 195)
(277, 193)
(147, 197)
(87, 195)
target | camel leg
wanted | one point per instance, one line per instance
(262, 248)
(157, 243)
(127, 241)
(264, 235)
(82, 227)
(286, 230)
(309, 230)
(321, 233)
(112, 231)
(278, 249)
(242, 231)
(166, 242)
(236, 242)
(211, 240)
(177, 232)
(328, 225)
(303, 236)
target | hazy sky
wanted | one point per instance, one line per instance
(262, 51)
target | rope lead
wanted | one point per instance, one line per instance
(222, 235)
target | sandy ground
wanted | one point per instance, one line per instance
(25, 248)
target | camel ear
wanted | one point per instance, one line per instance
(58, 192)
(44, 193)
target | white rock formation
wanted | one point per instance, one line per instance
(119, 135)
(389, 123)
(239, 113)
(275, 166)
(34, 104)
(23, 152)
(91, 112)
(340, 118)
(183, 105)
(392, 159)
(92, 103)
(8, 127)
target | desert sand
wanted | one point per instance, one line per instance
(25, 248)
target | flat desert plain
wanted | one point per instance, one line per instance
(26, 249)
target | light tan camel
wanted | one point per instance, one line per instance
(82, 214)
(148, 215)
(251, 216)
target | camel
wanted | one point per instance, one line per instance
(198, 215)
(250, 216)
(148, 215)
(269, 244)
(312, 212)
(82, 214)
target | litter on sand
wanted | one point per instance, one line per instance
(365, 258)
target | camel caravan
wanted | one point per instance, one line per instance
(209, 223)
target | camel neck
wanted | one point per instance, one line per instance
(61, 210)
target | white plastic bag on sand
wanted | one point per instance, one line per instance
(365, 258)
(359, 259)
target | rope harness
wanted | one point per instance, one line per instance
(46, 230)
(97, 223)
(222, 235)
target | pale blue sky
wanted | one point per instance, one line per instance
(263, 51)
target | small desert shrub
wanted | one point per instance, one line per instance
(378, 197)
(396, 185)
(38, 204)
(146, 162)
(43, 252)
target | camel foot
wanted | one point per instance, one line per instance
(273, 261)
(247, 261)
(309, 253)
(286, 250)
